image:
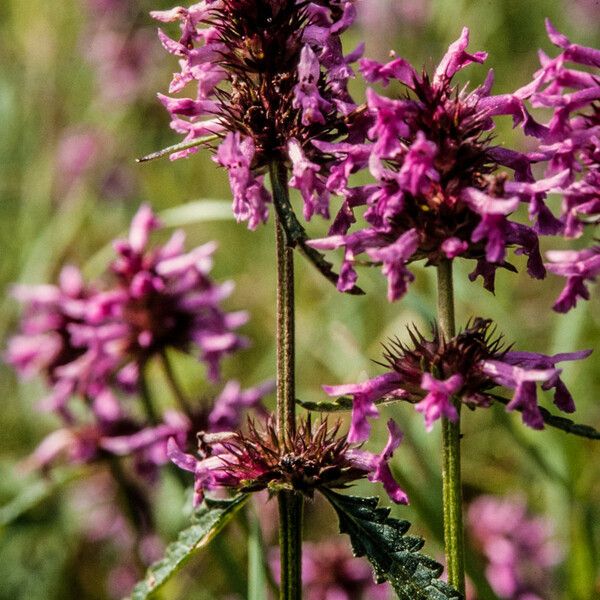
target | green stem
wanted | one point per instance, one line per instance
(146, 396)
(290, 503)
(174, 384)
(451, 478)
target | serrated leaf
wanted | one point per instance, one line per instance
(208, 521)
(393, 554)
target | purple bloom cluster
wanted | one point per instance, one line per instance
(432, 373)
(270, 76)
(570, 144)
(94, 343)
(519, 548)
(437, 192)
(258, 460)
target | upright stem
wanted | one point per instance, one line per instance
(290, 503)
(174, 384)
(451, 478)
(146, 397)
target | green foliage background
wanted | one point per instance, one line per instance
(49, 87)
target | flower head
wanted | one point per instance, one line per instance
(267, 72)
(435, 373)
(163, 298)
(257, 460)
(437, 193)
(518, 547)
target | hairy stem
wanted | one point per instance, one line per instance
(451, 478)
(290, 503)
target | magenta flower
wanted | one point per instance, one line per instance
(45, 345)
(570, 146)
(437, 192)
(518, 547)
(163, 298)
(433, 373)
(265, 72)
(258, 460)
(578, 267)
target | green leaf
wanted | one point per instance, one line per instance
(340, 404)
(32, 495)
(177, 148)
(208, 521)
(199, 211)
(257, 567)
(562, 423)
(395, 556)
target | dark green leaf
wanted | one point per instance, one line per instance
(586, 431)
(208, 521)
(394, 555)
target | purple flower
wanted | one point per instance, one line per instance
(438, 401)
(570, 143)
(257, 460)
(578, 267)
(518, 547)
(163, 298)
(433, 373)
(271, 78)
(437, 193)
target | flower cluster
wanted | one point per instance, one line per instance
(437, 193)
(93, 343)
(570, 143)
(314, 457)
(432, 373)
(270, 78)
(519, 548)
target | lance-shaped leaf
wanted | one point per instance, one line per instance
(562, 423)
(394, 555)
(208, 521)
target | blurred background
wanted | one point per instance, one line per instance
(78, 83)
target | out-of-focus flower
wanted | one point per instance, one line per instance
(163, 298)
(315, 457)
(433, 373)
(437, 193)
(578, 267)
(330, 572)
(518, 547)
(270, 78)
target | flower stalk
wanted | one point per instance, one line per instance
(451, 476)
(290, 503)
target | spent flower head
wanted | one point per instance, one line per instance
(314, 457)
(433, 373)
